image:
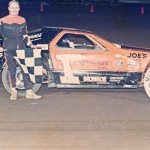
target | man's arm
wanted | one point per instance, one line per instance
(27, 40)
(26, 37)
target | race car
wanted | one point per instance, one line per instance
(74, 58)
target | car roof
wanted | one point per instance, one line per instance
(58, 29)
(65, 28)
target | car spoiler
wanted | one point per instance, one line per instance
(134, 47)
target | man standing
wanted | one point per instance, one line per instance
(14, 31)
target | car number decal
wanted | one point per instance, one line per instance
(68, 74)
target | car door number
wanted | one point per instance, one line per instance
(68, 73)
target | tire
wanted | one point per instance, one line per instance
(20, 85)
(147, 82)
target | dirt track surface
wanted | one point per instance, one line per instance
(76, 119)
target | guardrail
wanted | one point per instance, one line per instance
(134, 1)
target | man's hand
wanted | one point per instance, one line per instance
(1, 50)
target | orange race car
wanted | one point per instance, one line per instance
(81, 59)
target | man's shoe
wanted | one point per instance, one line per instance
(31, 95)
(13, 94)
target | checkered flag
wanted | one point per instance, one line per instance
(31, 63)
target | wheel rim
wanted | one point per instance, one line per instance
(147, 82)
(19, 79)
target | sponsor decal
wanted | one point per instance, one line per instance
(119, 63)
(137, 55)
(116, 79)
(94, 62)
(35, 37)
(96, 79)
(133, 63)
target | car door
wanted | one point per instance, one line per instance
(79, 59)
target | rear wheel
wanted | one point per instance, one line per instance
(19, 82)
(147, 82)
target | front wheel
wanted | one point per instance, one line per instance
(147, 82)
(19, 82)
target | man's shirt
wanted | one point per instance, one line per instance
(13, 30)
